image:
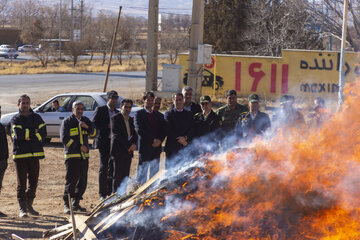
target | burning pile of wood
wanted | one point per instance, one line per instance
(114, 217)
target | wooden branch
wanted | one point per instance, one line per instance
(61, 234)
(48, 233)
(85, 231)
(72, 217)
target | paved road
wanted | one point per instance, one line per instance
(41, 87)
(27, 56)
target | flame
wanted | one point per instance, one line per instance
(300, 184)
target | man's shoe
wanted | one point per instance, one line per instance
(66, 209)
(30, 209)
(77, 207)
(23, 213)
(3, 214)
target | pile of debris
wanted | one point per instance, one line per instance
(119, 218)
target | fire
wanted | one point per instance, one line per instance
(300, 184)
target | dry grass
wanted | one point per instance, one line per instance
(35, 67)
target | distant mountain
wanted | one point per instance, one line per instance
(134, 7)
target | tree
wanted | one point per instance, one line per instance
(261, 27)
(76, 48)
(327, 16)
(224, 24)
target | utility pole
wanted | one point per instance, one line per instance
(72, 21)
(60, 29)
(342, 55)
(196, 38)
(152, 46)
(81, 18)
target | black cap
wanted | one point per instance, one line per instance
(287, 98)
(230, 92)
(253, 98)
(205, 99)
(111, 94)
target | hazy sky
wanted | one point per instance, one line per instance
(137, 7)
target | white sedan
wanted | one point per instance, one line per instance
(53, 118)
(9, 53)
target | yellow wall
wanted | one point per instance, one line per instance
(305, 74)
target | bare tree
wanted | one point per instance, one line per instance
(4, 15)
(327, 17)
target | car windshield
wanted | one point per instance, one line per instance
(119, 101)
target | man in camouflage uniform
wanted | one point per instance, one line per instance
(254, 122)
(229, 114)
(288, 116)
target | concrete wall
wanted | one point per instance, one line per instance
(305, 74)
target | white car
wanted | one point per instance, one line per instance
(9, 53)
(54, 119)
(27, 48)
(2, 46)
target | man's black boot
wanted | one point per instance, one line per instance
(30, 209)
(76, 206)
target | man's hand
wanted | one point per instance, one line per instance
(156, 143)
(83, 125)
(83, 149)
(182, 140)
(132, 148)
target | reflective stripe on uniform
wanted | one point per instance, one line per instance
(27, 155)
(39, 154)
(69, 142)
(74, 131)
(94, 133)
(27, 133)
(75, 155)
(38, 136)
(41, 125)
(84, 132)
(81, 135)
(17, 126)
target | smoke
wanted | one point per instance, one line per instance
(287, 183)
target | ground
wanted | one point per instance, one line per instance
(48, 199)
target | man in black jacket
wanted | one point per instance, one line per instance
(101, 119)
(206, 121)
(180, 128)
(253, 122)
(123, 142)
(27, 131)
(4, 155)
(150, 130)
(74, 133)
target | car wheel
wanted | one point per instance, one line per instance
(15, 57)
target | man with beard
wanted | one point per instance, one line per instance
(101, 119)
(27, 131)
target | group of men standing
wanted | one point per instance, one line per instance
(117, 136)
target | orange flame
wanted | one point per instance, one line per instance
(301, 184)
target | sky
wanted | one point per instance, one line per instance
(137, 7)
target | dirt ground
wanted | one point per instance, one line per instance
(48, 201)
